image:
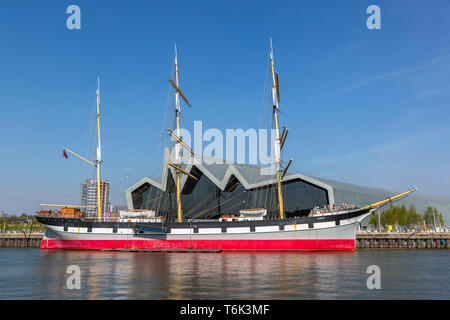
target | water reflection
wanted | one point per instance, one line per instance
(36, 274)
(230, 275)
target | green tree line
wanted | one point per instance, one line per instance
(20, 223)
(401, 216)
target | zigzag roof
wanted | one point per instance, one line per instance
(220, 172)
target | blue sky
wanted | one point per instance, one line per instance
(364, 106)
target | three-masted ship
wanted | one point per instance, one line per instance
(247, 230)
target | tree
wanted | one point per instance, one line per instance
(394, 215)
(413, 218)
(374, 219)
(399, 216)
(433, 217)
(402, 216)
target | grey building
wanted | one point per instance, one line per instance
(226, 188)
(88, 196)
(364, 195)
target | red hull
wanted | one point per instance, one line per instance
(226, 245)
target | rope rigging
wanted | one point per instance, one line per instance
(216, 201)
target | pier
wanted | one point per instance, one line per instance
(412, 240)
(20, 240)
(384, 240)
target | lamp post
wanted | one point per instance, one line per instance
(379, 222)
(434, 220)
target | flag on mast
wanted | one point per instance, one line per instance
(65, 154)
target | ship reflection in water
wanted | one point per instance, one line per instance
(36, 274)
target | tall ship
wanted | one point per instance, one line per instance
(164, 225)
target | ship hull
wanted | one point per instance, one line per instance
(308, 234)
(223, 245)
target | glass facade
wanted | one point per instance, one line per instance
(203, 199)
(88, 196)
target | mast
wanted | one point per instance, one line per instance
(99, 155)
(276, 98)
(177, 146)
(177, 137)
(97, 161)
(382, 202)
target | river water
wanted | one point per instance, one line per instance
(404, 274)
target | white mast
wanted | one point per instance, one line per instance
(275, 97)
(99, 155)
